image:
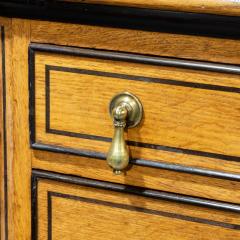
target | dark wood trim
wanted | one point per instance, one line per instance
(5, 157)
(37, 175)
(34, 208)
(141, 162)
(136, 58)
(31, 85)
(49, 217)
(125, 17)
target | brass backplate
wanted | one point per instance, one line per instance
(133, 104)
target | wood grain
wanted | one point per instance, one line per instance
(142, 42)
(224, 7)
(101, 221)
(207, 120)
(19, 162)
(7, 30)
(158, 179)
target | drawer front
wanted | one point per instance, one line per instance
(191, 116)
(187, 112)
(91, 209)
(190, 122)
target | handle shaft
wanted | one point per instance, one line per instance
(126, 111)
(118, 156)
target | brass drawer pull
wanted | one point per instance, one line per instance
(126, 111)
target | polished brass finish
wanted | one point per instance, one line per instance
(126, 112)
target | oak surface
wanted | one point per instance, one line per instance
(77, 212)
(222, 7)
(18, 151)
(5, 76)
(136, 41)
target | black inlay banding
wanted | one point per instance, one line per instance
(31, 68)
(136, 58)
(5, 162)
(49, 211)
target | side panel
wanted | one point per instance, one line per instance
(19, 150)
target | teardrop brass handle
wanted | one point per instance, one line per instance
(126, 111)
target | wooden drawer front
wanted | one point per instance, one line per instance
(190, 116)
(91, 209)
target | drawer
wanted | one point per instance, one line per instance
(66, 207)
(187, 112)
(190, 123)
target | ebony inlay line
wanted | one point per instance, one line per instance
(37, 175)
(47, 97)
(137, 58)
(4, 131)
(133, 209)
(31, 84)
(49, 217)
(34, 207)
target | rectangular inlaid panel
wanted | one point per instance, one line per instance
(97, 210)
